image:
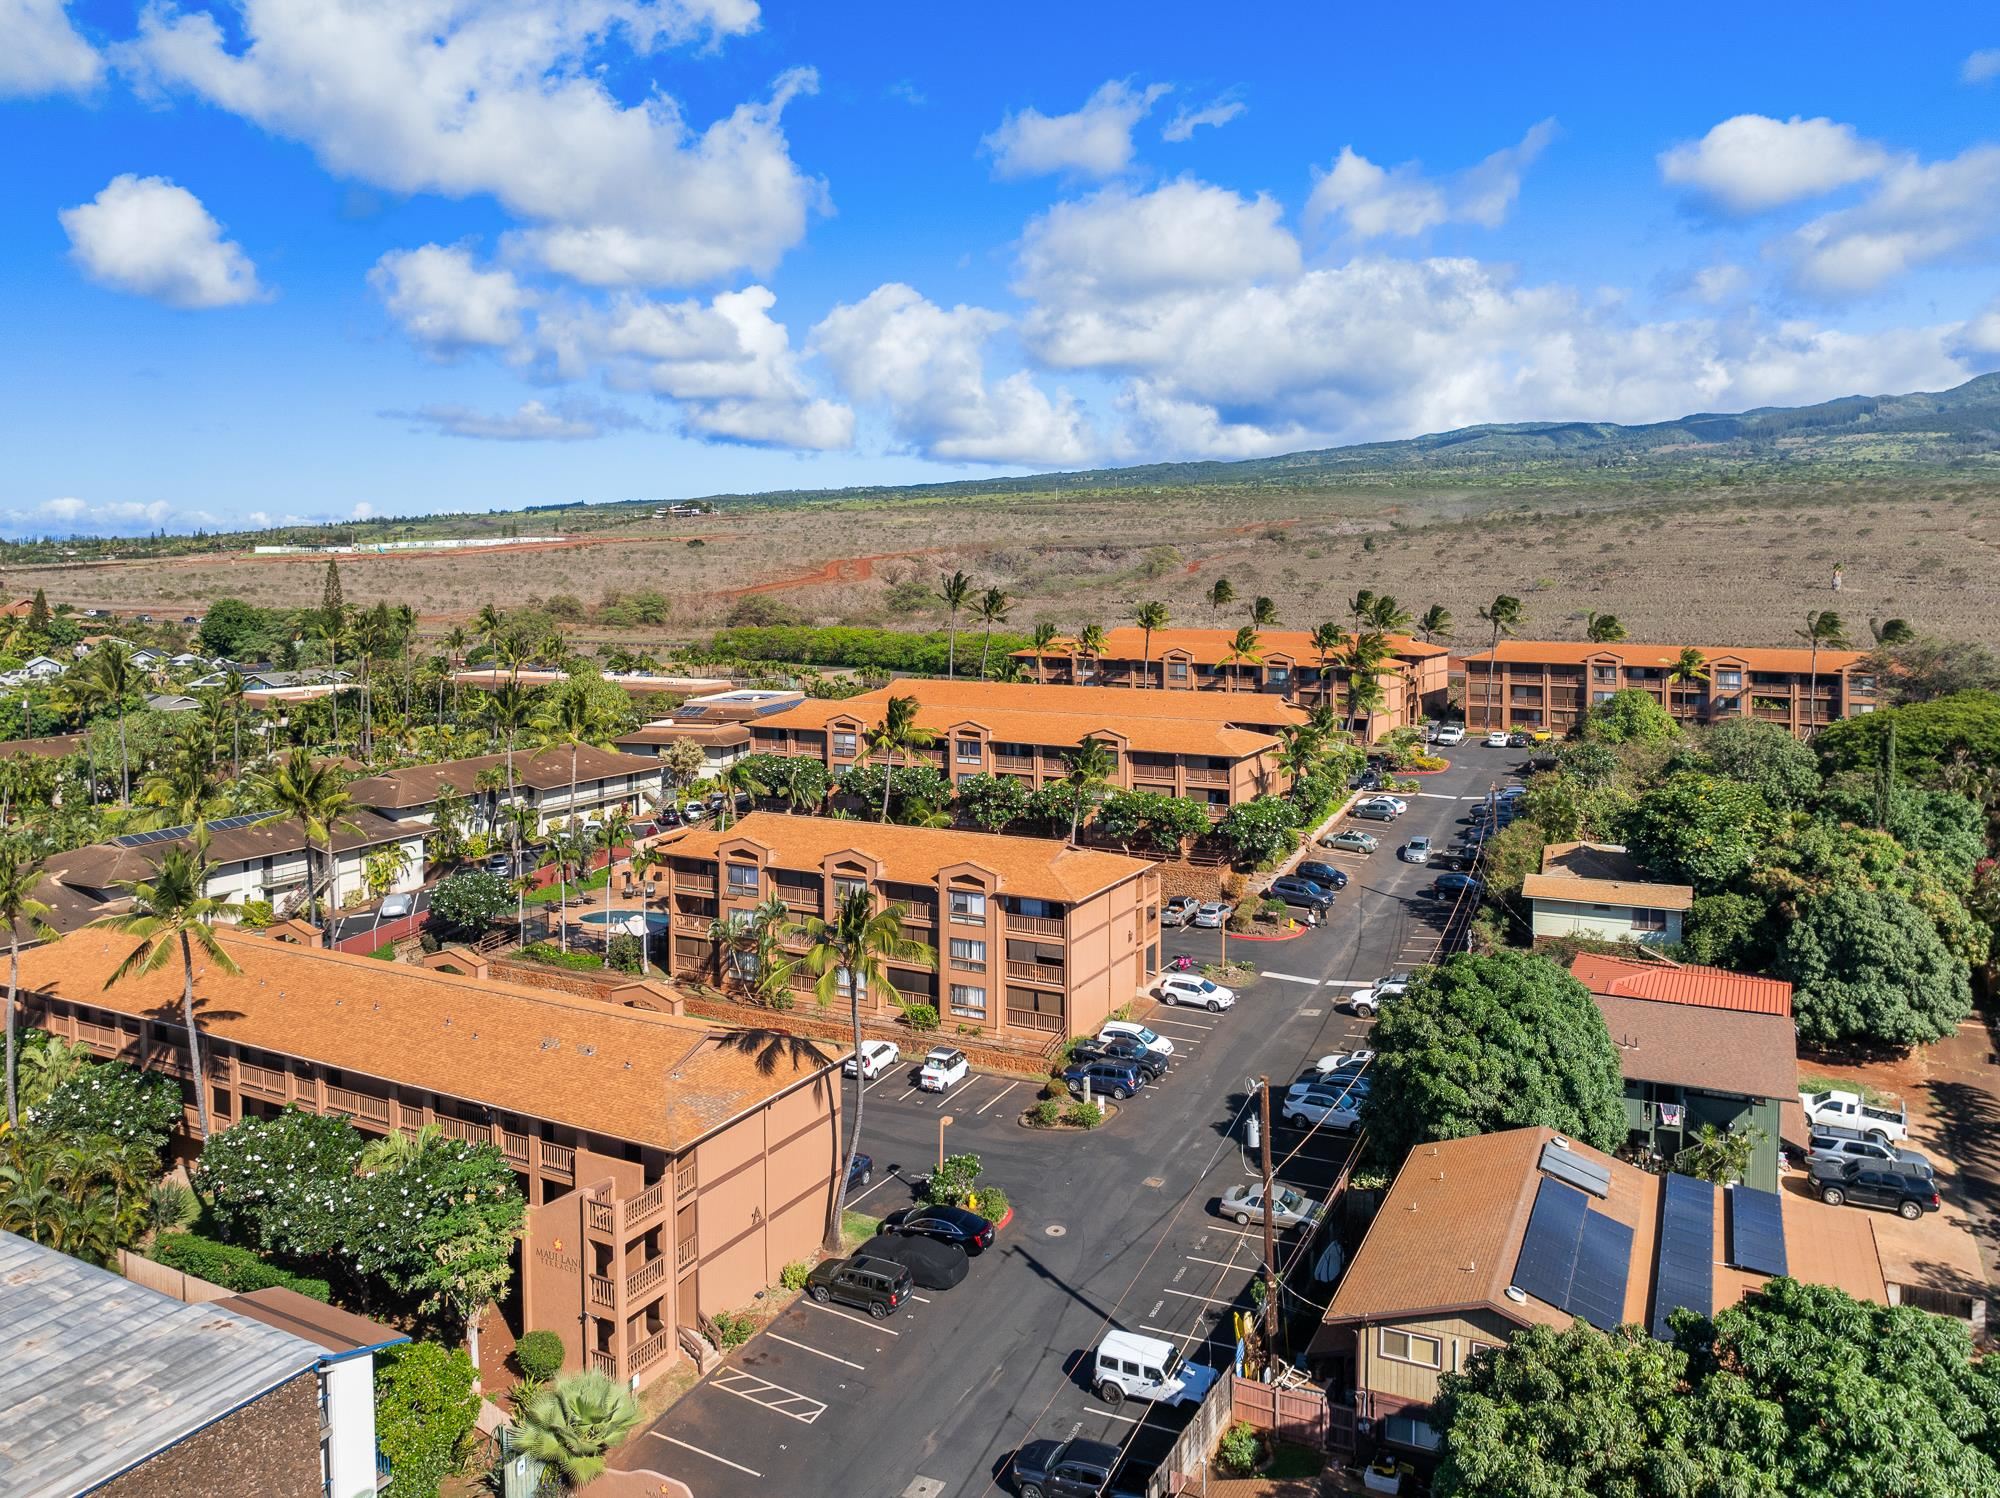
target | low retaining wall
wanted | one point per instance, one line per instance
(185, 1288)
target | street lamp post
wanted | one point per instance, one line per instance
(944, 1122)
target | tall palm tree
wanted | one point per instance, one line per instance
(1386, 616)
(757, 934)
(1089, 767)
(456, 642)
(1263, 612)
(617, 828)
(574, 720)
(571, 1424)
(1689, 669)
(20, 876)
(310, 792)
(181, 789)
(897, 734)
(1436, 623)
(1328, 640)
(1299, 749)
(509, 710)
(173, 912)
(1603, 629)
(335, 632)
(107, 680)
(1505, 615)
(1220, 595)
(1247, 649)
(954, 593)
(490, 624)
(1363, 662)
(1091, 644)
(1045, 635)
(1823, 627)
(991, 610)
(737, 778)
(1150, 616)
(847, 957)
(1361, 607)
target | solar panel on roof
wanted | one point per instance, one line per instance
(1756, 1230)
(1603, 1263)
(1573, 1258)
(1572, 1169)
(1686, 1276)
(168, 834)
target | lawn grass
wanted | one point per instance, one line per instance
(1867, 1093)
(555, 892)
(856, 1228)
(1291, 1463)
(384, 953)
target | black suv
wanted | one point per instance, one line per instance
(1906, 1190)
(1126, 1049)
(1067, 1469)
(877, 1286)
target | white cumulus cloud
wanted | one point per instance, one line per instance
(71, 516)
(151, 238)
(1982, 66)
(1918, 212)
(1373, 201)
(1187, 120)
(505, 98)
(1752, 163)
(1095, 141)
(531, 421)
(43, 52)
(446, 303)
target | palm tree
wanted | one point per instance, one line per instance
(574, 720)
(171, 912)
(235, 690)
(1263, 612)
(1045, 635)
(456, 642)
(1220, 595)
(508, 709)
(757, 934)
(617, 829)
(1386, 616)
(1690, 669)
(181, 790)
(311, 792)
(1892, 631)
(20, 876)
(1150, 616)
(1505, 615)
(1328, 640)
(570, 1425)
(1365, 694)
(1245, 650)
(896, 734)
(332, 630)
(1436, 623)
(737, 778)
(849, 956)
(390, 1153)
(1823, 627)
(1361, 607)
(1091, 644)
(108, 678)
(1603, 629)
(1299, 750)
(1089, 767)
(991, 610)
(953, 592)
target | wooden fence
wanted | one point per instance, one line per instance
(1184, 1469)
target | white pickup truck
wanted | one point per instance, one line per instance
(1847, 1110)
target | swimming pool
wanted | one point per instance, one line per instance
(656, 920)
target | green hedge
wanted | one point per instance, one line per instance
(226, 1265)
(554, 956)
(870, 649)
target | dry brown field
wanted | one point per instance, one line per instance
(1735, 564)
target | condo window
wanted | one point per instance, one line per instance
(1602, 696)
(969, 751)
(968, 954)
(843, 745)
(1278, 673)
(967, 1001)
(1177, 670)
(1409, 1347)
(969, 906)
(1728, 680)
(743, 878)
(1407, 1430)
(1861, 684)
(843, 888)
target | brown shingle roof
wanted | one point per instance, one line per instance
(106, 865)
(1752, 1055)
(1608, 892)
(540, 769)
(1682, 983)
(649, 1078)
(649, 734)
(1033, 867)
(1143, 733)
(1579, 652)
(1127, 642)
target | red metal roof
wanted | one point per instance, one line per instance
(1670, 983)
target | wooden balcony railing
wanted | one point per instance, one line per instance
(459, 1128)
(602, 1291)
(647, 1205)
(1040, 925)
(1204, 776)
(262, 1081)
(645, 1277)
(1035, 972)
(599, 1216)
(1014, 764)
(688, 884)
(514, 1146)
(558, 1159)
(1029, 1019)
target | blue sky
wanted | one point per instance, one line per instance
(320, 258)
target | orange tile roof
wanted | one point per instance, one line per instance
(1580, 652)
(1682, 983)
(1063, 730)
(1035, 867)
(1127, 642)
(631, 1074)
(1244, 709)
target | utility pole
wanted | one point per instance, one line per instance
(1270, 1231)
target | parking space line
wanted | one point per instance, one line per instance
(1205, 1299)
(709, 1454)
(995, 1098)
(774, 1337)
(1161, 1019)
(857, 1320)
(924, 1298)
(870, 1191)
(1345, 983)
(760, 1391)
(1218, 1263)
(1293, 978)
(1091, 1409)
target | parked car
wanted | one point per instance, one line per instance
(1497, 739)
(1369, 1000)
(1341, 1079)
(1903, 1189)
(395, 908)
(1188, 988)
(943, 1069)
(1075, 1468)
(1416, 850)
(1129, 1366)
(1331, 1107)
(1352, 840)
(1518, 741)
(1397, 802)
(1455, 861)
(1322, 873)
(959, 1225)
(1210, 915)
(1342, 1061)
(1374, 811)
(1510, 792)
(862, 1172)
(877, 1286)
(1301, 892)
(1120, 1051)
(1179, 910)
(1152, 1042)
(1451, 886)
(1848, 1110)
(1118, 1079)
(1835, 1143)
(932, 1265)
(1364, 780)
(1449, 734)
(874, 1058)
(1289, 1208)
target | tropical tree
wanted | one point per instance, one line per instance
(20, 876)
(897, 734)
(1328, 639)
(235, 690)
(456, 643)
(1690, 669)
(1091, 643)
(1823, 627)
(1246, 649)
(1436, 623)
(310, 791)
(1366, 695)
(1890, 632)
(1150, 616)
(1603, 629)
(1720, 1155)
(181, 789)
(681, 764)
(848, 957)
(1385, 615)
(571, 1424)
(753, 939)
(1045, 634)
(1089, 767)
(333, 630)
(991, 609)
(1263, 612)
(740, 777)
(509, 710)
(173, 913)
(108, 679)
(1220, 595)
(1299, 750)
(954, 592)
(1505, 614)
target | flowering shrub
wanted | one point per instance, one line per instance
(109, 1097)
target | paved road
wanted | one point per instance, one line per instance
(1115, 1227)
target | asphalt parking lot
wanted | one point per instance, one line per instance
(1114, 1228)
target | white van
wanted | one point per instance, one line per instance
(1129, 1366)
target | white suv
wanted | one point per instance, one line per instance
(1449, 734)
(1369, 1001)
(875, 1057)
(1204, 993)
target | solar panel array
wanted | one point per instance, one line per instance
(1756, 1230)
(1568, 1166)
(1575, 1259)
(1686, 1261)
(169, 834)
